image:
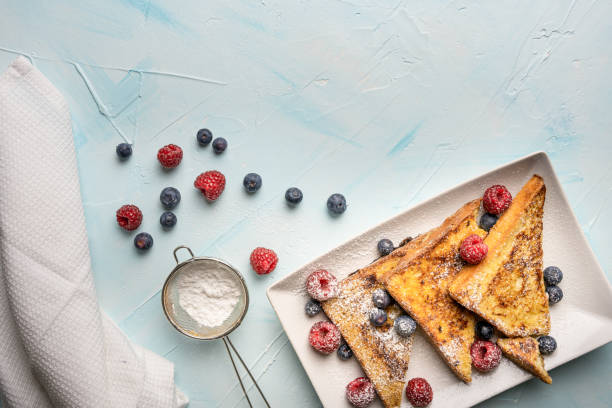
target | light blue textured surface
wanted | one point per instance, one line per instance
(388, 102)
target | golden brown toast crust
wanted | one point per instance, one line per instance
(419, 284)
(525, 352)
(507, 287)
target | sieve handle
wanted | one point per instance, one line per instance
(182, 247)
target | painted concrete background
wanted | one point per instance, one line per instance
(389, 102)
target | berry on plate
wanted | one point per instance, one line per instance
(252, 182)
(555, 294)
(484, 330)
(219, 145)
(378, 317)
(143, 241)
(487, 221)
(322, 285)
(211, 184)
(419, 392)
(381, 298)
(547, 344)
(344, 352)
(324, 337)
(385, 247)
(293, 195)
(263, 260)
(312, 307)
(496, 199)
(360, 392)
(473, 250)
(336, 204)
(404, 325)
(124, 150)
(170, 156)
(485, 355)
(204, 136)
(552, 276)
(129, 217)
(167, 219)
(170, 197)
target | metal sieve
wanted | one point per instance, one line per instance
(186, 325)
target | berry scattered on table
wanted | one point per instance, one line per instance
(555, 294)
(263, 260)
(293, 195)
(312, 307)
(484, 330)
(547, 344)
(204, 136)
(167, 219)
(552, 276)
(219, 145)
(419, 392)
(378, 317)
(124, 150)
(252, 182)
(143, 241)
(487, 221)
(344, 352)
(360, 392)
(473, 250)
(170, 197)
(485, 355)
(405, 325)
(129, 217)
(385, 247)
(324, 337)
(381, 298)
(170, 156)
(496, 199)
(211, 184)
(322, 285)
(336, 203)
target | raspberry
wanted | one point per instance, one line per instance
(170, 156)
(473, 250)
(419, 392)
(485, 355)
(496, 199)
(324, 337)
(129, 217)
(263, 260)
(211, 184)
(360, 392)
(322, 285)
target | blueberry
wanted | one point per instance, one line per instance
(344, 352)
(555, 294)
(124, 150)
(547, 344)
(167, 219)
(336, 203)
(378, 317)
(484, 330)
(204, 137)
(312, 307)
(552, 276)
(487, 221)
(405, 325)
(143, 241)
(252, 182)
(294, 195)
(219, 145)
(385, 247)
(381, 298)
(170, 197)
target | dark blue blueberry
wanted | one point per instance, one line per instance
(252, 182)
(487, 221)
(552, 276)
(167, 219)
(204, 137)
(547, 344)
(405, 325)
(143, 241)
(170, 197)
(336, 203)
(385, 247)
(294, 195)
(555, 294)
(484, 330)
(124, 150)
(344, 352)
(381, 298)
(378, 317)
(312, 307)
(219, 145)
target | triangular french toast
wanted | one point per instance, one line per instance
(507, 287)
(525, 352)
(420, 282)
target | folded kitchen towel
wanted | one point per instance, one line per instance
(56, 347)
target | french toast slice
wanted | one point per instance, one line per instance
(525, 352)
(507, 287)
(419, 283)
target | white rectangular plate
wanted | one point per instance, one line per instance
(581, 322)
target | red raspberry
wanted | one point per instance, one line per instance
(170, 156)
(419, 392)
(360, 392)
(473, 250)
(263, 260)
(129, 217)
(322, 285)
(324, 337)
(485, 355)
(496, 199)
(211, 184)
